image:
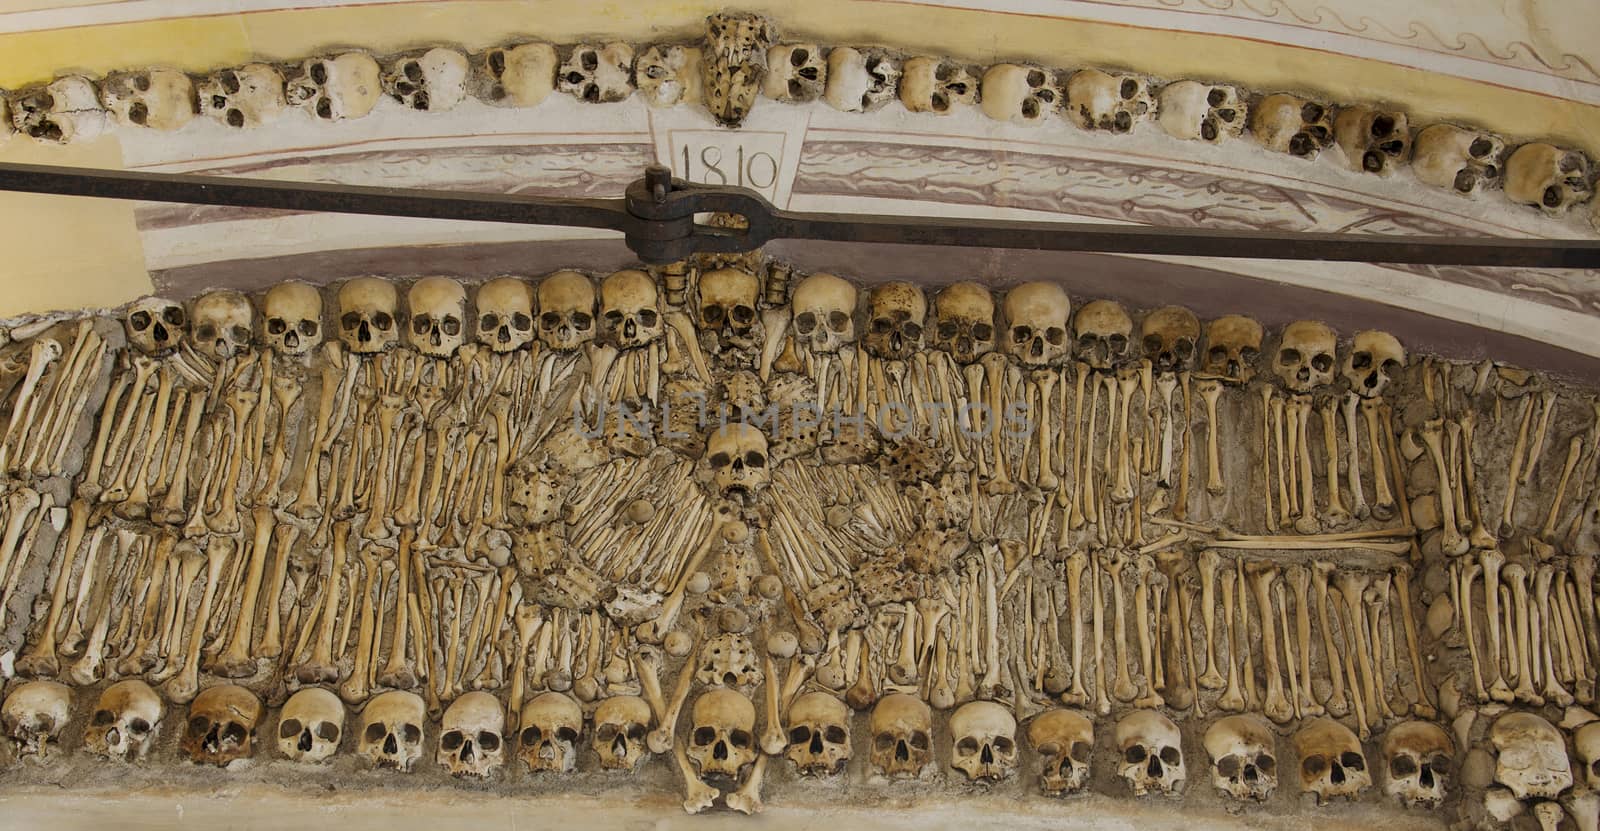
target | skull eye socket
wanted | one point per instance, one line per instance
(488, 741)
(1402, 765)
(138, 727)
(1314, 766)
(805, 322)
(103, 717)
(240, 334)
(1322, 362)
(1055, 335)
(982, 331)
(1266, 764)
(411, 733)
(1171, 755)
(375, 733)
(566, 734)
(704, 736)
(289, 728)
(838, 321)
(967, 746)
(420, 324)
(1118, 343)
(351, 321)
(1021, 334)
(319, 73)
(1003, 745)
(206, 332)
(1229, 766)
(198, 726)
(741, 739)
(1081, 751)
(754, 459)
(647, 317)
(947, 330)
(743, 315)
(911, 330)
(719, 460)
(382, 321)
(920, 740)
(489, 321)
(711, 315)
(173, 315)
(636, 732)
(277, 326)
(140, 321)
(1289, 356)
(1152, 344)
(452, 740)
(1361, 360)
(883, 742)
(327, 731)
(799, 735)
(834, 734)
(521, 322)
(1352, 760)
(451, 325)
(606, 733)
(581, 320)
(531, 736)
(1133, 754)
(234, 732)
(550, 321)
(881, 325)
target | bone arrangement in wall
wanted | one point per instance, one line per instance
(964, 512)
(743, 59)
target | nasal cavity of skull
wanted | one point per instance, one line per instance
(969, 746)
(456, 741)
(354, 320)
(324, 730)
(1314, 766)
(590, 61)
(1246, 770)
(1314, 136)
(494, 323)
(1373, 159)
(813, 739)
(902, 747)
(798, 58)
(532, 736)
(706, 736)
(1137, 754)
(412, 85)
(105, 718)
(806, 322)
(1403, 765)
(1055, 335)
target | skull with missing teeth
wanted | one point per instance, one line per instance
(222, 725)
(1169, 335)
(964, 318)
(505, 314)
(469, 735)
(1232, 344)
(434, 81)
(621, 724)
(1530, 756)
(522, 75)
(600, 74)
(1152, 753)
(1287, 124)
(902, 735)
(737, 457)
(155, 325)
(1064, 741)
(727, 307)
(392, 730)
(1102, 330)
(248, 96)
(819, 734)
(1331, 761)
(1418, 755)
(983, 738)
(551, 724)
(222, 324)
(344, 86)
(668, 75)
(722, 741)
(860, 81)
(630, 314)
(566, 311)
(368, 307)
(1372, 140)
(1243, 763)
(293, 317)
(796, 72)
(1465, 161)
(311, 725)
(936, 85)
(1036, 324)
(896, 313)
(33, 715)
(1102, 101)
(1305, 356)
(1374, 360)
(824, 312)
(735, 64)
(438, 310)
(161, 99)
(64, 111)
(125, 721)
(1551, 178)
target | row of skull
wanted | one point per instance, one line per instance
(1531, 761)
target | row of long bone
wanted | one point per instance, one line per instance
(739, 60)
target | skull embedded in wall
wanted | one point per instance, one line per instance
(1152, 753)
(1331, 761)
(63, 111)
(548, 740)
(824, 312)
(469, 735)
(125, 721)
(33, 715)
(668, 75)
(438, 313)
(344, 86)
(983, 738)
(1418, 755)
(505, 314)
(1287, 124)
(368, 307)
(6, 127)
(964, 318)
(1102, 332)
(293, 318)
(1201, 112)
(1374, 141)
(737, 456)
(621, 724)
(392, 730)
(1232, 344)
(1374, 359)
(161, 99)
(1064, 741)
(155, 325)
(1305, 356)
(1019, 94)
(1243, 762)
(860, 81)
(434, 81)
(1102, 101)
(819, 734)
(735, 64)
(522, 75)
(1465, 161)
(728, 305)
(1552, 178)
(630, 313)
(896, 313)
(248, 96)
(222, 725)
(597, 74)
(1530, 756)
(722, 740)
(1169, 335)
(1586, 740)
(566, 311)
(936, 85)
(902, 735)
(1036, 324)
(222, 324)
(311, 725)
(796, 73)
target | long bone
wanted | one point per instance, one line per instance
(1383, 501)
(1352, 587)
(1076, 561)
(1084, 505)
(1299, 579)
(697, 795)
(528, 619)
(1122, 490)
(1423, 707)
(1574, 450)
(286, 391)
(1547, 405)
(1102, 679)
(42, 353)
(41, 661)
(1516, 576)
(1165, 385)
(236, 660)
(51, 403)
(1457, 481)
(1358, 497)
(1583, 568)
(389, 409)
(1123, 687)
(90, 486)
(1173, 564)
(1492, 560)
(117, 489)
(181, 688)
(1468, 576)
(453, 587)
(1337, 705)
(69, 403)
(116, 455)
(357, 685)
(1451, 541)
(257, 437)
(319, 667)
(336, 372)
(20, 504)
(1262, 575)
(1143, 565)
(1247, 667)
(992, 680)
(1336, 514)
(87, 669)
(1288, 503)
(24, 552)
(1352, 673)
(1376, 601)
(270, 644)
(1043, 383)
(1266, 461)
(1308, 523)
(1291, 670)
(1553, 690)
(1514, 472)
(173, 507)
(1210, 390)
(397, 673)
(181, 576)
(666, 727)
(1207, 564)
(87, 578)
(1232, 698)
(652, 631)
(225, 515)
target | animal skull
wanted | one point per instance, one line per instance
(728, 303)
(1418, 753)
(566, 310)
(223, 324)
(1331, 761)
(1064, 741)
(859, 81)
(723, 740)
(368, 307)
(1243, 764)
(896, 313)
(293, 323)
(735, 64)
(1019, 94)
(668, 75)
(1232, 344)
(469, 737)
(737, 455)
(248, 96)
(819, 734)
(65, 110)
(1036, 319)
(1101, 101)
(902, 735)
(597, 74)
(551, 724)
(222, 725)
(984, 741)
(125, 721)
(964, 314)
(155, 325)
(1152, 753)
(936, 85)
(344, 86)
(1169, 336)
(630, 316)
(1465, 161)
(161, 99)
(311, 725)
(1374, 359)
(1102, 331)
(1375, 141)
(1550, 177)
(621, 724)
(438, 311)
(523, 75)
(1287, 124)
(1530, 756)
(1201, 112)
(34, 714)
(824, 312)
(392, 730)
(434, 81)
(1305, 356)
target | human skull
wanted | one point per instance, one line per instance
(983, 738)
(1550, 177)
(1587, 742)
(1064, 741)
(293, 319)
(1418, 754)
(1331, 761)
(522, 75)
(125, 721)
(551, 724)
(728, 303)
(735, 64)
(668, 75)
(621, 723)
(1232, 344)
(368, 307)
(1305, 356)
(434, 81)
(630, 316)
(1019, 94)
(737, 455)
(1286, 124)
(1374, 359)
(936, 85)
(161, 99)
(964, 314)
(1201, 112)
(723, 739)
(34, 714)
(597, 74)
(248, 96)
(344, 86)
(1152, 753)
(1372, 140)
(1530, 756)
(819, 734)
(1036, 323)
(438, 309)
(566, 311)
(1102, 101)
(896, 313)
(796, 73)
(1465, 161)
(505, 314)
(902, 735)
(824, 312)
(222, 725)
(392, 730)
(469, 735)
(1243, 763)
(222, 324)
(1102, 332)
(155, 325)
(1169, 336)
(311, 725)
(63, 111)
(860, 81)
